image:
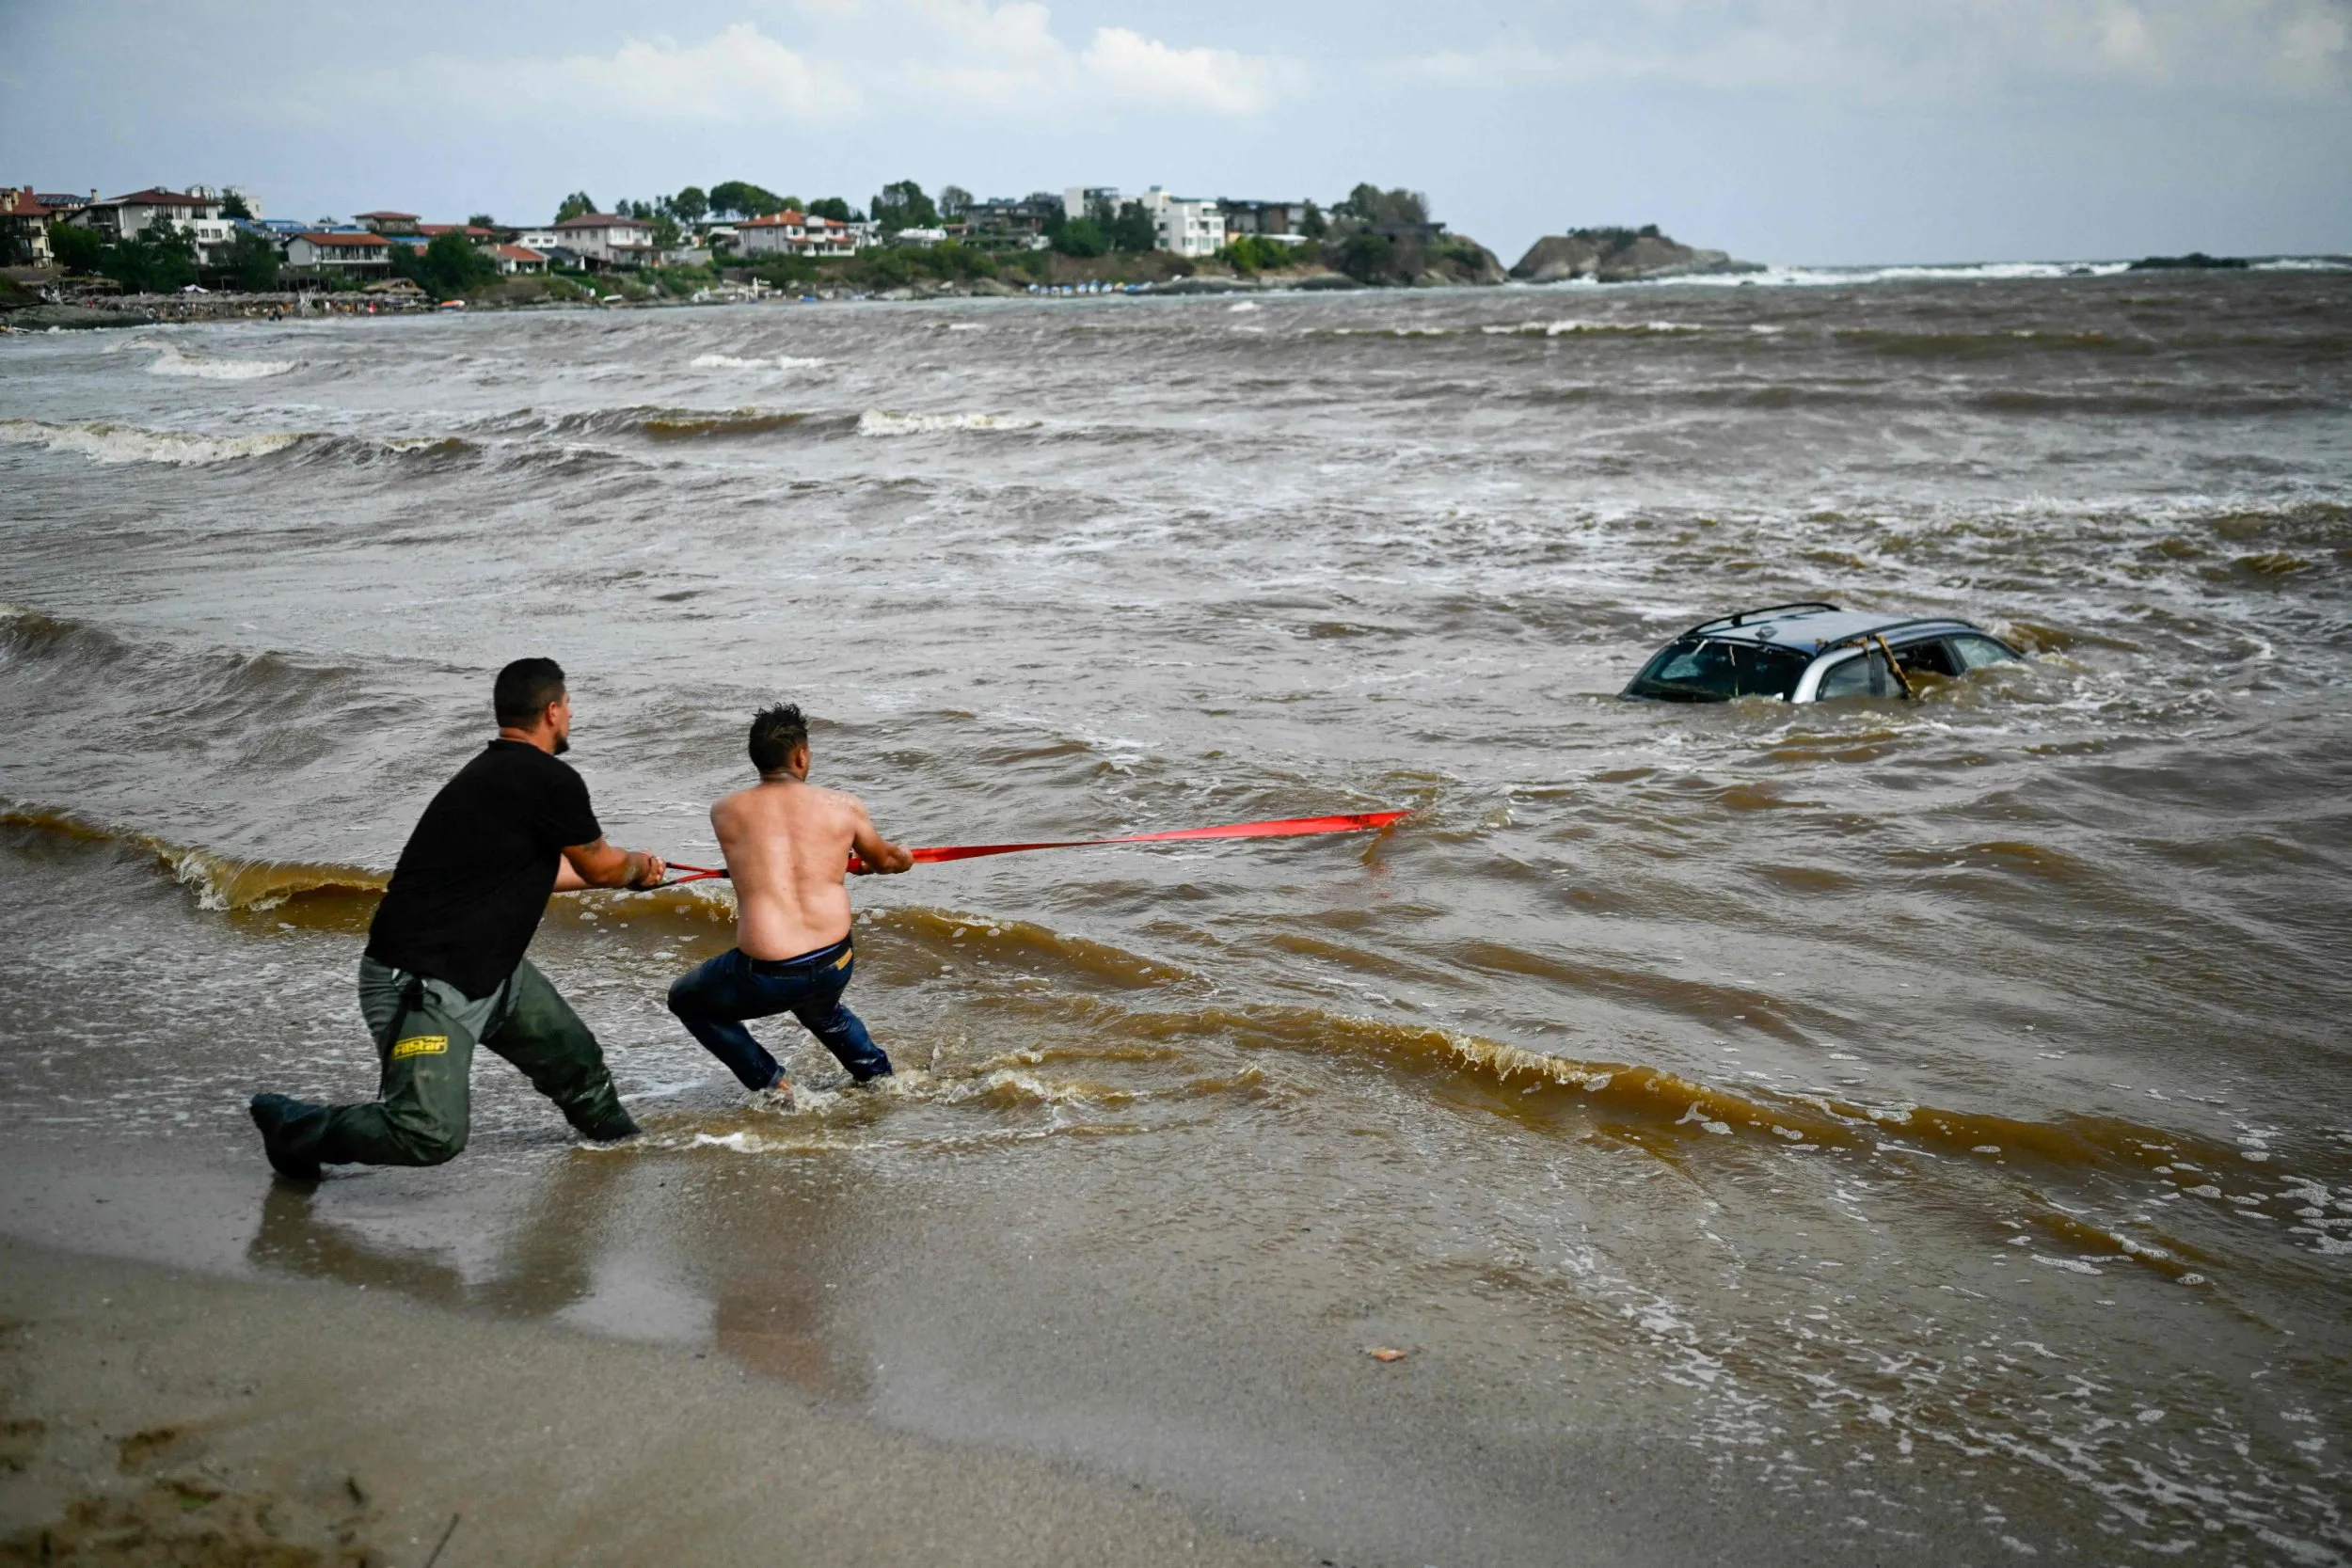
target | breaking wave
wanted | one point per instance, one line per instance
(1562, 329)
(102, 441)
(171, 361)
(221, 882)
(742, 422)
(781, 362)
(652, 422)
(880, 423)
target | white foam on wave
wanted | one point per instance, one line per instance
(1822, 277)
(782, 363)
(171, 361)
(1586, 324)
(121, 443)
(876, 421)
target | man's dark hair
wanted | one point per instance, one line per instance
(525, 688)
(777, 733)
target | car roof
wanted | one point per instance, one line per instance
(1812, 626)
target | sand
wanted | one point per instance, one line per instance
(152, 1416)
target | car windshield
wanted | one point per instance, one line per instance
(1702, 670)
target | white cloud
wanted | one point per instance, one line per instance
(1004, 57)
(1008, 56)
(739, 76)
(1131, 68)
(1937, 48)
(1000, 57)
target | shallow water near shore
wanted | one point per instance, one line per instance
(1881, 1129)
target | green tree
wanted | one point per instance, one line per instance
(76, 246)
(408, 260)
(1366, 258)
(157, 260)
(1250, 253)
(902, 205)
(1081, 237)
(741, 199)
(1133, 229)
(448, 267)
(831, 207)
(955, 203)
(482, 220)
(233, 206)
(252, 261)
(575, 205)
(1369, 203)
(1313, 224)
(691, 205)
(889, 268)
(666, 232)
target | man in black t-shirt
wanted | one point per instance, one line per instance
(444, 969)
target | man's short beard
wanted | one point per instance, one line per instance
(562, 744)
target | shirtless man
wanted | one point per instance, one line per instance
(788, 845)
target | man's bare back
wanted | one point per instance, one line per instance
(787, 845)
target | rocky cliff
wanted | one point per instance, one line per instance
(1461, 261)
(1619, 255)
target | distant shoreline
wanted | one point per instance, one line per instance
(101, 313)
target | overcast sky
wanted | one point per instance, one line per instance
(1817, 130)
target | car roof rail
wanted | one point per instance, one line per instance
(1743, 617)
(1892, 628)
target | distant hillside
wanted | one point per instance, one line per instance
(1619, 255)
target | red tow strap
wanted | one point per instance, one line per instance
(1288, 827)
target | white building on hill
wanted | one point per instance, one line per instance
(1188, 226)
(603, 239)
(794, 235)
(124, 217)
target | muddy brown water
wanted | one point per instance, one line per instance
(1877, 1129)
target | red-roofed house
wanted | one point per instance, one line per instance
(795, 234)
(512, 258)
(331, 255)
(120, 218)
(608, 240)
(24, 227)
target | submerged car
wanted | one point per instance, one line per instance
(1813, 652)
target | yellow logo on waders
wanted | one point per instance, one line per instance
(420, 1045)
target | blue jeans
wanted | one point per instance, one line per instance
(714, 999)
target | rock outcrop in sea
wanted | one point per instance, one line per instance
(1619, 255)
(2196, 260)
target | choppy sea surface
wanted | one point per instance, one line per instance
(1922, 1128)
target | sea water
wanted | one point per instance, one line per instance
(1909, 1129)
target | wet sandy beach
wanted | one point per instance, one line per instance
(158, 1416)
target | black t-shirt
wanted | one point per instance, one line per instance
(475, 876)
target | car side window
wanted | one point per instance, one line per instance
(1863, 675)
(1927, 659)
(1977, 652)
